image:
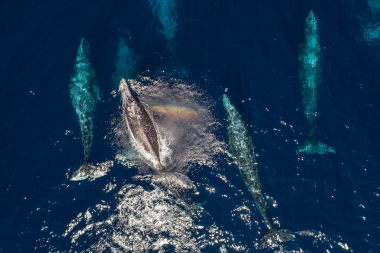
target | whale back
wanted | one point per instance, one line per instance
(139, 122)
(143, 129)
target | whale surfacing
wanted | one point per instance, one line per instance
(140, 126)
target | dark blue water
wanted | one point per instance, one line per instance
(249, 47)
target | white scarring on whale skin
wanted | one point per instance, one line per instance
(140, 127)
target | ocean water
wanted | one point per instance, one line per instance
(185, 55)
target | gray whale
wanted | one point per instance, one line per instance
(140, 126)
(243, 151)
(84, 94)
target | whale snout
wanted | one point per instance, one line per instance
(123, 84)
(124, 88)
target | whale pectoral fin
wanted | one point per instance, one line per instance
(274, 236)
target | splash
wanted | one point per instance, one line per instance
(184, 143)
(144, 221)
(321, 239)
(165, 11)
(84, 93)
(175, 111)
(153, 220)
(310, 77)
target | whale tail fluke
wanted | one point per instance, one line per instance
(315, 146)
(90, 171)
(275, 236)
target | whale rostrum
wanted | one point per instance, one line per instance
(140, 126)
(243, 154)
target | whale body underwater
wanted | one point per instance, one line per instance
(243, 153)
(140, 126)
(84, 94)
(310, 78)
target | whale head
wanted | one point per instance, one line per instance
(311, 22)
(126, 91)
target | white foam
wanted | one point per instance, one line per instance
(145, 221)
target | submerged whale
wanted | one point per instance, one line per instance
(84, 94)
(165, 11)
(243, 153)
(126, 61)
(310, 77)
(141, 127)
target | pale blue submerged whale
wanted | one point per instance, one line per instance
(243, 153)
(126, 61)
(84, 94)
(165, 11)
(310, 77)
